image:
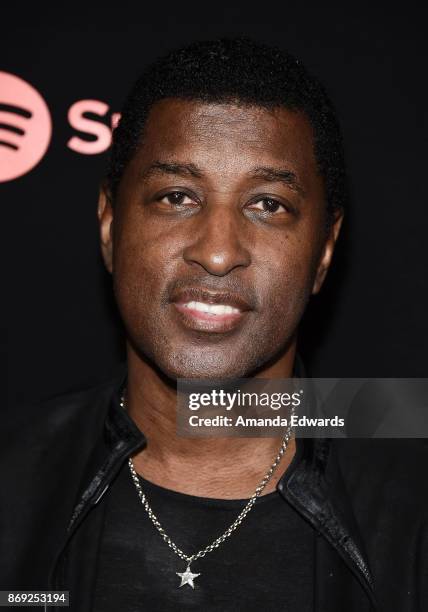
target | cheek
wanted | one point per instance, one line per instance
(141, 262)
(286, 273)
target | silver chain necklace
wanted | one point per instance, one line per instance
(188, 577)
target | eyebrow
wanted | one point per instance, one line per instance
(273, 175)
(178, 169)
(278, 175)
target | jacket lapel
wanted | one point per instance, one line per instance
(75, 564)
(314, 486)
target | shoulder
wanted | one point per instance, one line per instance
(44, 452)
(405, 456)
(53, 425)
(385, 473)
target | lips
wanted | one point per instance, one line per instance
(209, 311)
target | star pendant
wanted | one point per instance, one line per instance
(187, 577)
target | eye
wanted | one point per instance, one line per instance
(176, 199)
(269, 206)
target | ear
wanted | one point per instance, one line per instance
(327, 252)
(105, 217)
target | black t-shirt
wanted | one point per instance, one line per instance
(267, 563)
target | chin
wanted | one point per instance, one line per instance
(200, 371)
(206, 366)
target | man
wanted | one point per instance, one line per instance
(219, 216)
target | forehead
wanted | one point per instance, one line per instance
(228, 136)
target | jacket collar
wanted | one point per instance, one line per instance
(121, 439)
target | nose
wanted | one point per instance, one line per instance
(218, 241)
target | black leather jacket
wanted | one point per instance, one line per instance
(366, 499)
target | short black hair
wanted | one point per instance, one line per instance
(235, 70)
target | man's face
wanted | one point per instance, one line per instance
(217, 239)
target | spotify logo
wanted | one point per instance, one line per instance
(25, 127)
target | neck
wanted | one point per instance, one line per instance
(229, 468)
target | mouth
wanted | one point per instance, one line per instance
(206, 311)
